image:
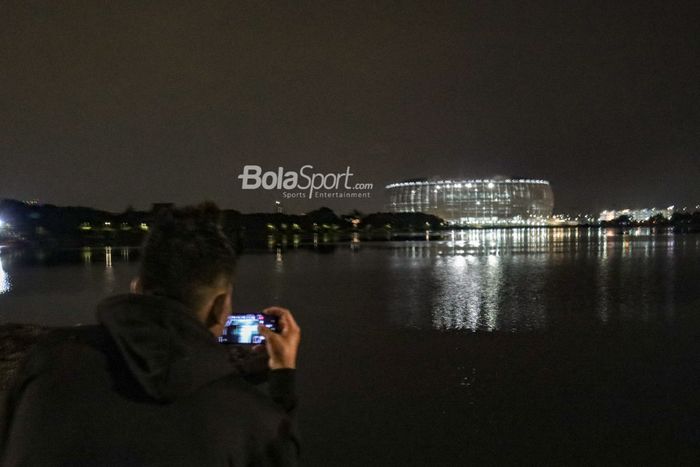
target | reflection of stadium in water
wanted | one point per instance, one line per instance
(514, 279)
(4, 279)
(499, 279)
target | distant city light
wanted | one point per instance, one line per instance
(635, 214)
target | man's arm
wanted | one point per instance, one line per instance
(284, 449)
(282, 351)
(282, 388)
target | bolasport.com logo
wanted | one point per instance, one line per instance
(304, 183)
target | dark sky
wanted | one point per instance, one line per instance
(111, 103)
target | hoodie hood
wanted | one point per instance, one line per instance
(168, 351)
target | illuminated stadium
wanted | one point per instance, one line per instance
(497, 201)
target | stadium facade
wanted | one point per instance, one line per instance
(483, 202)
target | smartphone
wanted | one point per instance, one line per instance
(242, 328)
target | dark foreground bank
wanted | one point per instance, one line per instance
(610, 397)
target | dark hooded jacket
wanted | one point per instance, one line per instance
(149, 385)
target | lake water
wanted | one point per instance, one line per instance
(490, 346)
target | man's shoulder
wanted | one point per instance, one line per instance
(91, 336)
(68, 345)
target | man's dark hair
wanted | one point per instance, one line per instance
(185, 250)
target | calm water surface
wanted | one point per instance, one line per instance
(434, 352)
(487, 280)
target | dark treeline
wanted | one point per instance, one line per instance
(77, 225)
(69, 226)
(680, 221)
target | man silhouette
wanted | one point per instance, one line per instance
(150, 384)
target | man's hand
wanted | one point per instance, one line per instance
(281, 347)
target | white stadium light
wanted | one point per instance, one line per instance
(475, 201)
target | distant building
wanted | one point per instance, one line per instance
(635, 214)
(573, 219)
(497, 201)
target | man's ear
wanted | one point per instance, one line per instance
(135, 285)
(217, 314)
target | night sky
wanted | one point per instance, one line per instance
(116, 103)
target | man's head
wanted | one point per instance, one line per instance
(188, 258)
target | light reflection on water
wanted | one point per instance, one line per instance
(538, 278)
(508, 280)
(4, 279)
(91, 257)
(471, 291)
